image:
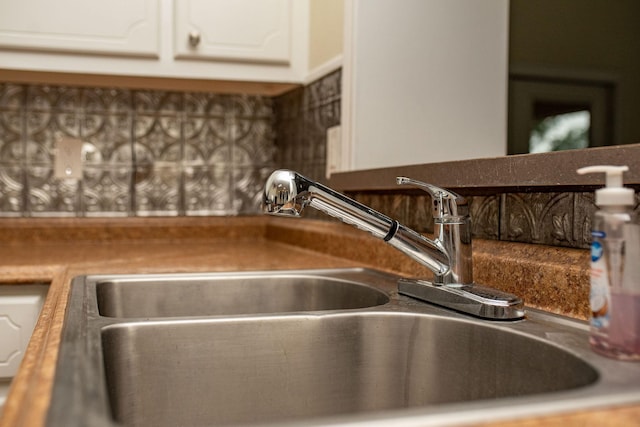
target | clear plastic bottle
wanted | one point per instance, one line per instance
(615, 269)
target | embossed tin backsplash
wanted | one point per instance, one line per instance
(145, 152)
(157, 153)
(302, 118)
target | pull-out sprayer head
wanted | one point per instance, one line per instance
(284, 194)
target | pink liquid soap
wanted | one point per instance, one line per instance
(621, 340)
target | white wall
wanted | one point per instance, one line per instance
(326, 28)
(425, 81)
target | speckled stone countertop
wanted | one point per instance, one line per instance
(56, 250)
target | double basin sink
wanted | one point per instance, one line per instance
(315, 347)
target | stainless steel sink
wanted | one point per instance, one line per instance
(294, 367)
(227, 294)
(386, 358)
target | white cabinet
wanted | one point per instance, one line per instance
(236, 40)
(116, 27)
(209, 29)
(423, 81)
(19, 310)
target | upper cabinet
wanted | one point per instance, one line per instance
(117, 27)
(236, 40)
(208, 29)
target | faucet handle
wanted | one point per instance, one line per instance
(445, 202)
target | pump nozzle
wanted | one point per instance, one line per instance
(613, 193)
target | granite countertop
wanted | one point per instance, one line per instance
(56, 250)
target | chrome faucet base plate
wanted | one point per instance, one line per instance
(477, 300)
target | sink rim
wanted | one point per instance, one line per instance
(569, 334)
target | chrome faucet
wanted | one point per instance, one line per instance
(447, 255)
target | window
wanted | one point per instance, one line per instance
(560, 131)
(547, 114)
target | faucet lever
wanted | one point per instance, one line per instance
(446, 203)
(429, 188)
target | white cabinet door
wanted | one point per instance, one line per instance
(19, 309)
(120, 27)
(234, 30)
(264, 41)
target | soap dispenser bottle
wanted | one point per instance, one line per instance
(615, 269)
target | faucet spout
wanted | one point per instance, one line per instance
(448, 255)
(287, 193)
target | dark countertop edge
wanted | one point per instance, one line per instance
(520, 173)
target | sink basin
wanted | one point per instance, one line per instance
(318, 347)
(228, 294)
(218, 372)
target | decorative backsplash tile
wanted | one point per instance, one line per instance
(485, 216)
(550, 218)
(302, 119)
(145, 152)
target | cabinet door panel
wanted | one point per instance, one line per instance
(121, 27)
(19, 309)
(234, 30)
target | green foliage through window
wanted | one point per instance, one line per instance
(561, 132)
